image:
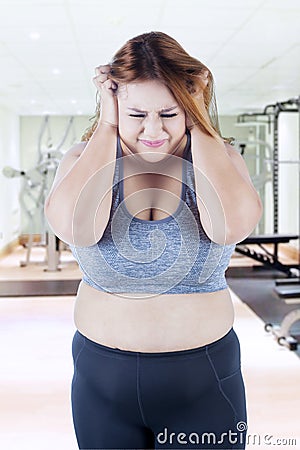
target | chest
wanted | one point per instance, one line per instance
(155, 195)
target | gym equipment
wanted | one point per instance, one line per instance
(281, 332)
(288, 287)
(268, 118)
(263, 168)
(31, 198)
(36, 184)
(268, 259)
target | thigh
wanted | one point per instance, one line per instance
(104, 402)
(225, 361)
(210, 422)
(196, 400)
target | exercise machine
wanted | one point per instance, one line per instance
(282, 332)
(35, 186)
(267, 165)
(289, 287)
(266, 257)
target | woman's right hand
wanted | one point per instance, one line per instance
(108, 90)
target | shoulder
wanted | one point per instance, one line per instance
(231, 150)
(238, 161)
(68, 159)
(76, 149)
(73, 153)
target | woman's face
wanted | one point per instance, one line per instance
(151, 124)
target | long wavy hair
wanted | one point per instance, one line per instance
(157, 56)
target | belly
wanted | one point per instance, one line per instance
(160, 323)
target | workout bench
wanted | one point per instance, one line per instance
(289, 287)
(267, 258)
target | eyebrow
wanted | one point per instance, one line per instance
(162, 110)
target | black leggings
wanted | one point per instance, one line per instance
(187, 399)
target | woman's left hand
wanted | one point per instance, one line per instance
(198, 95)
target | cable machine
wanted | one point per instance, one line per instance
(269, 117)
(289, 287)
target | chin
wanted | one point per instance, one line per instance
(152, 157)
(147, 155)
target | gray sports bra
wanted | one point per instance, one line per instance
(168, 256)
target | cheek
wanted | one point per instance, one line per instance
(177, 127)
(127, 127)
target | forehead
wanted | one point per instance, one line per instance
(146, 95)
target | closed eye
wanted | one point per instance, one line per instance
(164, 116)
(168, 116)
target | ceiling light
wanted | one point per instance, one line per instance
(73, 101)
(34, 35)
(56, 71)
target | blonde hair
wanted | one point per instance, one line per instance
(157, 56)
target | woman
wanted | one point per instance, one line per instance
(152, 203)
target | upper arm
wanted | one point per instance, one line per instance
(66, 163)
(239, 163)
(242, 168)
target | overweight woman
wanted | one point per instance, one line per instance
(152, 203)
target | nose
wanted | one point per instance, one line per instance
(152, 126)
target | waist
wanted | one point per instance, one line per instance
(153, 323)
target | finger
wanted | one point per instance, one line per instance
(102, 69)
(98, 83)
(110, 85)
(114, 86)
(102, 76)
(99, 80)
(106, 85)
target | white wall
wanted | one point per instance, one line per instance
(288, 182)
(9, 187)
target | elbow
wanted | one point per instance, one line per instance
(235, 225)
(55, 224)
(231, 225)
(77, 234)
(245, 226)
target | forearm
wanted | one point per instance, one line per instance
(78, 206)
(228, 203)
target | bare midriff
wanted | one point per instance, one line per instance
(153, 323)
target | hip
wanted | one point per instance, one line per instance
(196, 392)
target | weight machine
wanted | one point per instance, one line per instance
(289, 287)
(36, 183)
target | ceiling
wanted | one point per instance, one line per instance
(49, 48)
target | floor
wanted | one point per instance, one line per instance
(36, 368)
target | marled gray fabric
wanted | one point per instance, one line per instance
(168, 256)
